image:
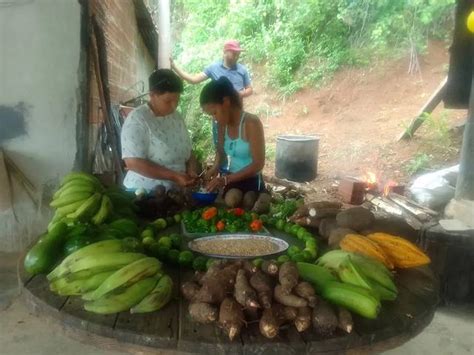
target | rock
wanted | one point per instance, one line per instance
(356, 218)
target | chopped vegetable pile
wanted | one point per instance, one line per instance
(213, 220)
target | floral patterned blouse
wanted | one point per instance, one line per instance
(160, 139)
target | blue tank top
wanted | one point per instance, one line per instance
(237, 150)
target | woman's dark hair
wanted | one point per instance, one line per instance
(215, 91)
(165, 80)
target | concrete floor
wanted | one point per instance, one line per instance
(22, 333)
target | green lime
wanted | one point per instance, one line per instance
(148, 241)
(170, 221)
(166, 241)
(173, 256)
(147, 233)
(162, 252)
(176, 240)
(283, 259)
(295, 229)
(298, 257)
(199, 263)
(287, 228)
(280, 224)
(264, 218)
(308, 256)
(301, 233)
(257, 262)
(177, 218)
(311, 244)
(293, 249)
(160, 223)
(310, 253)
(186, 258)
(210, 262)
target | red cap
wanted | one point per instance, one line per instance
(232, 45)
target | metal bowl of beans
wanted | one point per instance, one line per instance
(238, 246)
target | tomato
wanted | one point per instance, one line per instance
(220, 225)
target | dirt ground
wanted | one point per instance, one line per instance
(359, 115)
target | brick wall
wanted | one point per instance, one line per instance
(128, 61)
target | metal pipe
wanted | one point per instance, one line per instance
(164, 34)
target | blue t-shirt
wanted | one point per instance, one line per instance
(238, 74)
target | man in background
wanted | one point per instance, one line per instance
(228, 66)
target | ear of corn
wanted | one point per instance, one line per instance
(403, 253)
(361, 245)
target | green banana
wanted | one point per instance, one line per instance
(104, 211)
(383, 293)
(68, 199)
(73, 185)
(375, 271)
(356, 299)
(74, 189)
(102, 247)
(66, 210)
(88, 208)
(119, 302)
(126, 276)
(317, 275)
(349, 273)
(95, 262)
(82, 177)
(333, 259)
(157, 298)
(66, 287)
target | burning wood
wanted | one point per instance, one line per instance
(392, 208)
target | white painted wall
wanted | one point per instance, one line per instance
(39, 62)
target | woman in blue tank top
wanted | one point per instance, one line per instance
(241, 142)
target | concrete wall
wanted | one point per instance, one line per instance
(39, 78)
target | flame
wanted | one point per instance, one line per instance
(370, 178)
(387, 188)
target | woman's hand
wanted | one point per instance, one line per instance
(184, 180)
(215, 184)
(211, 173)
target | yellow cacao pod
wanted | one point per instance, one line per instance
(402, 252)
(359, 244)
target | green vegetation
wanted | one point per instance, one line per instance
(299, 43)
(418, 163)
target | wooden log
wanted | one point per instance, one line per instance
(427, 108)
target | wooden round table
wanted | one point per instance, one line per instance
(172, 330)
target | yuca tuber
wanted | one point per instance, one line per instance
(263, 284)
(338, 234)
(303, 319)
(305, 290)
(288, 276)
(324, 319)
(231, 317)
(249, 268)
(284, 314)
(243, 292)
(288, 299)
(215, 289)
(198, 275)
(345, 320)
(326, 226)
(270, 267)
(262, 205)
(269, 324)
(203, 312)
(303, 211)
(323, 212)
(189, 290)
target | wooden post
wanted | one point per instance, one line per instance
(465, 183)
(164, 34)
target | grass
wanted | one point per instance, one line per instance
(420, 162)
